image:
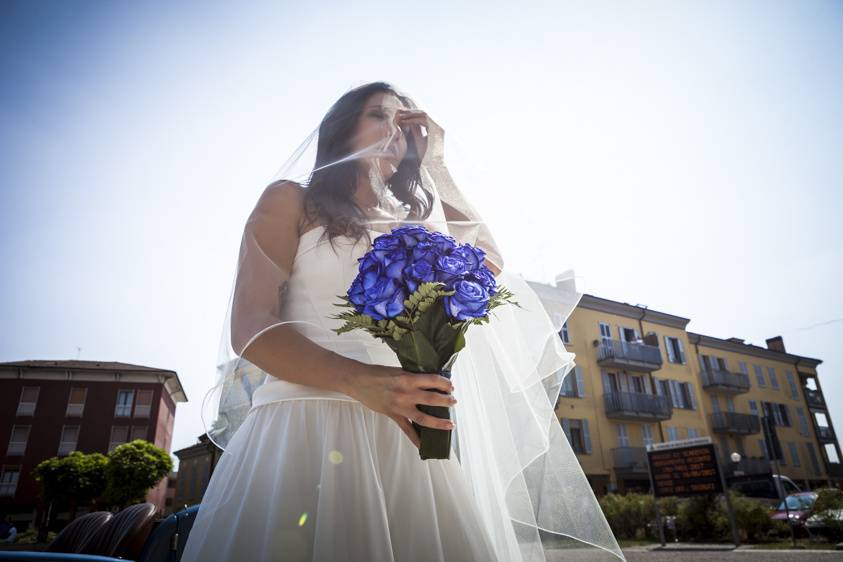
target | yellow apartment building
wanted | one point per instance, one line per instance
(643, 378)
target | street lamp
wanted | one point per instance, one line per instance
(736, 459)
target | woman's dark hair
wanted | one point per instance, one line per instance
(328, 198)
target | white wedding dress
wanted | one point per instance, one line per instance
(314, 475)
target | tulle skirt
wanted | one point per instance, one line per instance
(327, 479)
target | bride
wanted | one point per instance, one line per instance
(321, 458)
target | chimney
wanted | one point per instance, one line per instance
(735, 340)
(776, 344)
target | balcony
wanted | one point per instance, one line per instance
(635, 406)
(747, 466)
(630, 460)
(615, 354)
(814, 398)
(730, 422)
(725, 381)
(825, 434)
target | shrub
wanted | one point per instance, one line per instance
(628, 515)
(751, 517)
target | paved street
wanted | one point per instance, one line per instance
(740, 555)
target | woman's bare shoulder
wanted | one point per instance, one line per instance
(283, 200)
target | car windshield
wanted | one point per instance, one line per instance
(798, 503)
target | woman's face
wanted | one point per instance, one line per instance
(378, 135)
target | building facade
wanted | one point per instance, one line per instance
(196, 465)
(641, 378)
(52, 408)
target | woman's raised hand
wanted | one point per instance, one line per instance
(431, 148)
(394, 392)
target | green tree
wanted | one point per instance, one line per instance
(133, 468)
(76, 479)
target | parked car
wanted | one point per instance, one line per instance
(768, 489)
(799, 506)
(827, 523)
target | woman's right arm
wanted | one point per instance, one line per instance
(285, 353)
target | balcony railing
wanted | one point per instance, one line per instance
(814, 398)
(637, 406)
(731, 422)
(631, 356)
(747, 465)
(825, 434)
(630, 460)
(725, 381)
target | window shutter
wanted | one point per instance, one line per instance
(586, 436)
(607, 383)
(785, 414)
(566, 427)
(580, 382)
(681, 351)
(691, 395)
(670, 356)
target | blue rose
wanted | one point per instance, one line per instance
(394, 263)
(426, 251)
(469, 300)
(443, 242)
(411, 235)
(449, 269)
(471, 255)
(485, 277)
(416, 273)
(384, 244)
(384, 299)
(356, 294)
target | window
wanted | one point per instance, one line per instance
(143, 404)
(69, 438)
(577, 433)
(139, 432)
(574, 384)
(730, 404)
(9, 480)
(831, 453)
(759, 376)
(28, 399)
(715, 405)
(812, 455)
(647, 432)
(18, 439)
(784, 414)
(681, 395)
(803, 421)
(742, 366)
(693, 432)
(623, 435)
(753, 407)
(774, 380)
(791, 383)
(672, 433)
(76, 402)
(762, 445)
(566, 337)
(794, 454)
(605, 333)
(637, 384)
(124, 403)
(675, 350)
(119, 435)
(628, 335)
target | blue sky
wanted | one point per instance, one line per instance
(680, 155)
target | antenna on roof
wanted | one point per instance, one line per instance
(78, 351)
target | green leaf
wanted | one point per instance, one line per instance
(416, 354)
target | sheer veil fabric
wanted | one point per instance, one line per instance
(524, 477)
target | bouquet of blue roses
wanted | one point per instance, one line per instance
(418, 291)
